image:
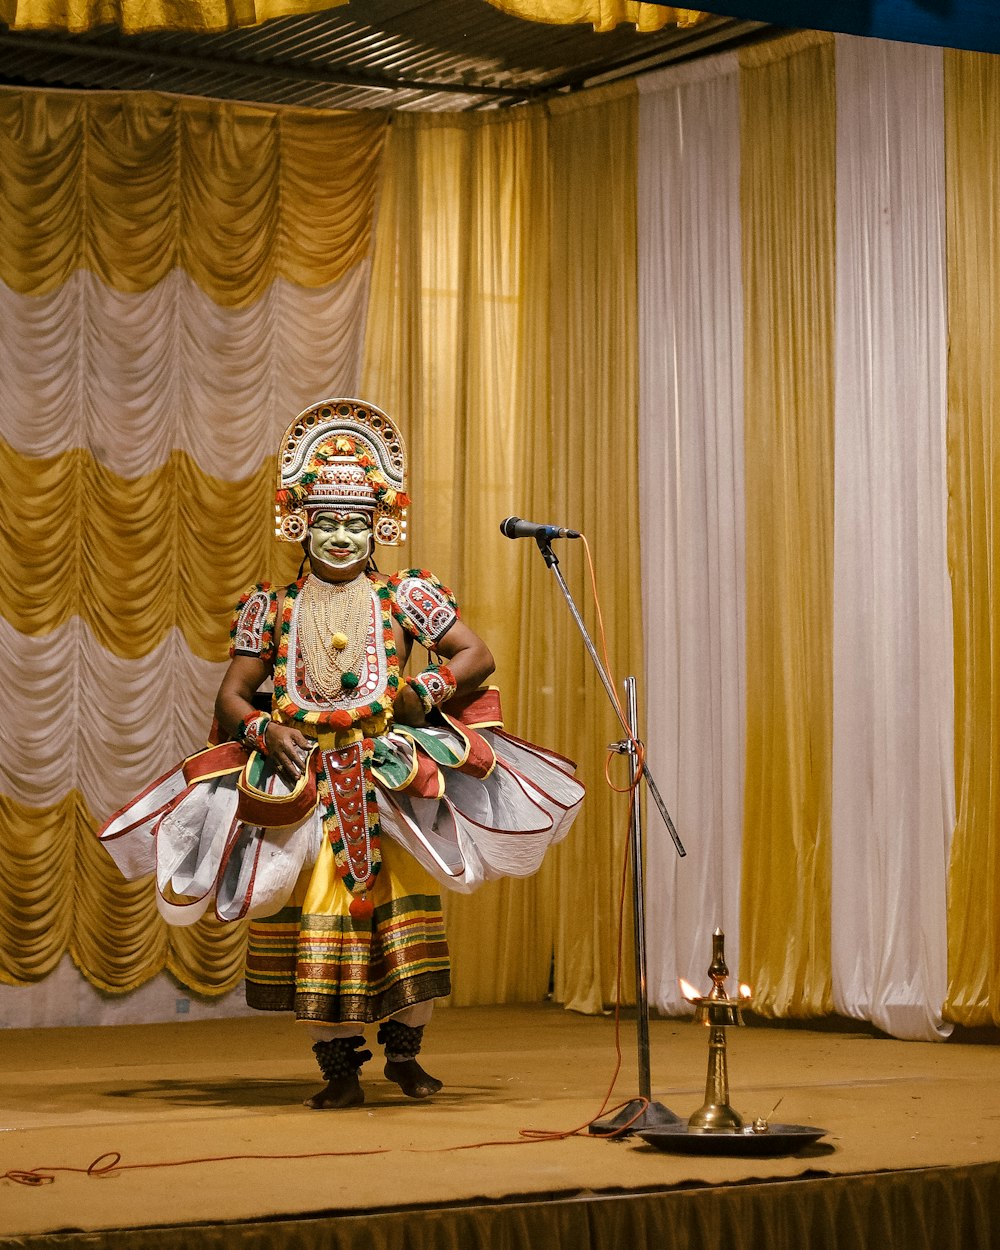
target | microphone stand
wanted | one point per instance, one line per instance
(643, 1112)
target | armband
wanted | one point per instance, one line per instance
(252, 631)
(424, 607)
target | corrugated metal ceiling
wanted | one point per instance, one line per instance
(387, 54)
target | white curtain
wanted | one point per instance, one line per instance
(65, 998)
(144, 714)
(893, 752)
(691, 510)
(133, 376)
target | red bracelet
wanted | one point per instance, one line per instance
(253, 732)
(434, 686)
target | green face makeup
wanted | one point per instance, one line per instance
(340, 539)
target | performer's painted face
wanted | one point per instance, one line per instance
(341, 540)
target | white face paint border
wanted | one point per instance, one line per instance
(339, 541)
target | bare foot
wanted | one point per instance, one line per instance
(343, 1091)
(412, 1079)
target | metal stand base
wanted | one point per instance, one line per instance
(652, 1115)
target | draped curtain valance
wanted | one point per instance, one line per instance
(133, 17)
(136, 16)
(601, 14)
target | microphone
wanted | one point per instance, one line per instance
(514, 527)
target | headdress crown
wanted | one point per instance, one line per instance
(342, 454)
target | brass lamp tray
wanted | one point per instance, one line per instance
(779, 1139)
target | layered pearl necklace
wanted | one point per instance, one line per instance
(334, 619)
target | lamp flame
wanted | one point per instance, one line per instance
(745, 991)
(688, 990)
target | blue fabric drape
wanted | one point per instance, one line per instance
(972, 24)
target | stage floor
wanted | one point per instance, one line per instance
(179, 1093)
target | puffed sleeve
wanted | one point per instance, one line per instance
(253, 627)
(424, 606)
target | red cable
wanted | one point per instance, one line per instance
(43, 1175)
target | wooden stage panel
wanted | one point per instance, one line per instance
(912, 1156)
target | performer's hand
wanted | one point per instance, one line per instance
(288, 747)
(407, 708)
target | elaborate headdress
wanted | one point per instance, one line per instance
(347, 455)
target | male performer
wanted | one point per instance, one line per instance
(331, 818)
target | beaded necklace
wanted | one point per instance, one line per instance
(335, 718)
(333, 633)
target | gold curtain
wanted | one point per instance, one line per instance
(601, 14)
(133, 185)
(502, 333)
(134, 16)
(587, 471)
(972, 99)
(174, 548)
(788, 129)
(441, 327)
(60, 891)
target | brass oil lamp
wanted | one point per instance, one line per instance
(719, 1012)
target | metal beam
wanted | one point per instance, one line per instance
(140, 58)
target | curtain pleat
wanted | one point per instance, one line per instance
(60, 891)
(134, 558)
(787, 134)
(972, 96)
(456, 215)
(135, 376)
(36, 890)
(692, 509)
(149, 711)
(131, 185)
(588, 474)
(893, 726)
(137, 16)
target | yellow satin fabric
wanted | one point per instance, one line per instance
(134, 559)
(451, 234)
(61, 891)
(601, 14)
(134, 16)
(591, 477)
(788, 128)
(236, 196)
(502, 334)
(322, 892)
(972, 98)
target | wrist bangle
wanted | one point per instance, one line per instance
(253, 731)
(434, 686)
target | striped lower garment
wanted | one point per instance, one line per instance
(315, 959)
